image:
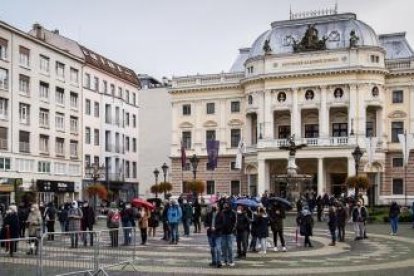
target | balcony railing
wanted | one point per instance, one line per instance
(310, 142)
(24, 147)
(3, 144)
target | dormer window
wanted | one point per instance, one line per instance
(375, 92)
(250, 70)
(281, 97)
(338, 93)
(309, 95)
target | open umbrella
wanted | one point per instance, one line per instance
(247, 202)
(140, 202)
(284, 202)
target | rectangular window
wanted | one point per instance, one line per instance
(3, 48)
(87, 107)
(211, 187)
(210, 108)
(396, 129)
(44, 90)
(112, 89)
(44, 117)
(134, 121)
(87, 135)
(117, 145)
(134, 99)
(186, 109)
(44, 144)
(120, 92)
(24, 141)
(96, 160)
(397, 96)
(284, 132)
(235, 137)
(96, 109)
(96, 137)
(134, 144)
(117, 116)
(127, 169)
(235, 187)
(74, 149)
(74, 100)
(96, 83)
(233, 166)
(127, 96)
(60, 70)
(60, 146)
(340, 130)
(60, 121)
(24, 113)
(210, 135)
(134, 169)
(108, 145)
(397, 162)
(74, 75)
(3, 138)
(73, 125)
(87, 81)
(127, 143)
(397, 186)
(4, 164)
(87, 160)
(43, 167)
(187, 166)
(4, 108)
(127, 119)
(108, 114)
(186, 136)
(235, 107)
(4, 79)
(59, 168)
(60, 96)
(24, 84)
(369, 129)
(44, 63)
(105, 86)
(311, 131)
(24, 165)
(24, 56)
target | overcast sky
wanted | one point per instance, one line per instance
(184, 37)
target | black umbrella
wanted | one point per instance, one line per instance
(156, 201)
(284, 202)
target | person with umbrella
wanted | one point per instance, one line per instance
(242, 231)
(262, 229)
(276, 215)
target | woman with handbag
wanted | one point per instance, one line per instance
(34, 224)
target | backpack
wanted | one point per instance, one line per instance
(114, 220)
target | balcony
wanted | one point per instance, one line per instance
(3, 144)
(310, 142)
(24, 147)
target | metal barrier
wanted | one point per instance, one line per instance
(21, 252)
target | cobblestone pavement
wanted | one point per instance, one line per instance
(381, 254)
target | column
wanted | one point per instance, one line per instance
(323, 114)
(321, 177)
(362, 114)
(260, 115)
(352, 123)
(248, 138)
(351, 166)
(295, 116)
(379, 122)
(268, 115)
(411, 109)
(262, 176)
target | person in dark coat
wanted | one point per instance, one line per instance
(342, 216)
(197, 216)
(319, 207)
(253, 232)
(332, 224)
(214, 237)
(394, 215)
(50, 217)
(63, 217)
(23, 213)
(187, 217)
(87, 222)
(276, 216)
(242, 231)
(305, 222)
(164, 216)
(12, 226)
(225, 223)
(262, 222)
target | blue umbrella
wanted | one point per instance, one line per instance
(247, 202)
(284, 202)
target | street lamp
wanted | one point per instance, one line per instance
(357, 154)
(95, 172)
(156, 172)
(194, 163)
(164, 168)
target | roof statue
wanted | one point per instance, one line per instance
(310, 41)
(353, 40)
(266, 47)
(292, 147)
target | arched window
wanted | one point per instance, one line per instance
(309, 95)
(250, 99)
(281, 97)
(375, 91)
(338, 93)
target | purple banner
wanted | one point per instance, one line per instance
(212, 152)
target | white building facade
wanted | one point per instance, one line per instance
(331, 81)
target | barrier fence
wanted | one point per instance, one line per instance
(70, 253)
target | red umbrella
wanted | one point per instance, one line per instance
(140, 202)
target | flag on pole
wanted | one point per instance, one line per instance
(239, 155)
(183, 156)
(407, 144)
(371, 145)
(212, 153)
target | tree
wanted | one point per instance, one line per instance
(196, 186)
(358, 182)
(165, 187)
(97, 190)
(155, 189)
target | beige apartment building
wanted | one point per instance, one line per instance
(328, 79)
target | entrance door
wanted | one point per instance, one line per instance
(338, 184)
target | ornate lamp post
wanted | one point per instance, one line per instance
(156, 172)
(164, 168)
(194, 163)
(357, 154)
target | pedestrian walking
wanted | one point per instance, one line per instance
(197, 216)
(87, 222)
(359, 216)
(174, 215)
(319, 208)
(187, 217)
(113, 222)
(23, 213)
(50, 217)
(253, 232)
(276, 216)
(63, 217)
(154, 222)
(332, 224)
(242, 231)
(34, 224)
(42, 209)
(165, 227)
(214, 237)
(262, 229)
(394, 216)
(225, 223)
(342, 217)
(12, 226)
(143, 224)
(74, 223)
(305, 222)
(128, 222)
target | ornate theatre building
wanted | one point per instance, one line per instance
(328, 79)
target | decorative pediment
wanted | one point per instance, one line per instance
(235, 122)
(340, 116)
(397, 114)
(210, 123)
(186, 125)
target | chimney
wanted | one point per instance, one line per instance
(39, 32)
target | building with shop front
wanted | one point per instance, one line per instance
(328, 79)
